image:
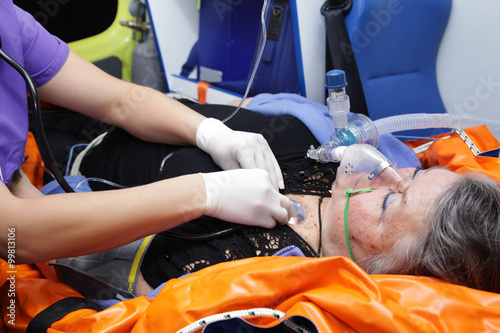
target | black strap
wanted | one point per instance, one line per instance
(276, 20)
(43, 320)
(339, 51)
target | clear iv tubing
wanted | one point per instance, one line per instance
(265, 7)
(257, 61)
(324, 153)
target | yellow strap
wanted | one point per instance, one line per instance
(137, 260)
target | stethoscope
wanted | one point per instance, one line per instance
(47, 156)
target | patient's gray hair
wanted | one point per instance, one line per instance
(461, 242)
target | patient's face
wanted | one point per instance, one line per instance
(377, 219)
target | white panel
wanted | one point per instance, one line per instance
(175, 24)
(313, 41)
(190, 88)
(468, 65)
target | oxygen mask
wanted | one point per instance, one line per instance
(364, 167)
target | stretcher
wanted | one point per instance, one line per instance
(274, 294)
(300, 294)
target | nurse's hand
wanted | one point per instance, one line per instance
(245, 196)
(235, 149)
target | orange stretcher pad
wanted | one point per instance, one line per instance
(333, 293)
(462, 152)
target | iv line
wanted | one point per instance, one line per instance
(257, 61)
(262, 45)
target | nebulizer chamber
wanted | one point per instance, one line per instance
(348, 128)
(352, 128)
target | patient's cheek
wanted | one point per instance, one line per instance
(362, 226)
(359, 213)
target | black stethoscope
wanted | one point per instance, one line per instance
(34, 107)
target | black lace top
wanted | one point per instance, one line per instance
(305, 176)
(170, 257)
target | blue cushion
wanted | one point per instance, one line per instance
(396, 43)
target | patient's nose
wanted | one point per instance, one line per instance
(407, 172)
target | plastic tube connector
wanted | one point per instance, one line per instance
(324, 153)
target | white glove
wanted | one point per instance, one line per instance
(245, 196)
(235, 149)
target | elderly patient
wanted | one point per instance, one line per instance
(409, 221)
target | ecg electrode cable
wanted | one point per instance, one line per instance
(34, 107)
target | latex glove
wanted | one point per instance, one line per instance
(235, 149)
(245, 196)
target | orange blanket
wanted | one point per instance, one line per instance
(333, 293)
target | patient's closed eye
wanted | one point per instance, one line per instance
(387, 200)
(389, 196)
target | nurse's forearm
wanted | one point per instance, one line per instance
(158, 118)
(74, 224)
(142, 111)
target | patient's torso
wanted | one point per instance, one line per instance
(173, 256)
(119, 157)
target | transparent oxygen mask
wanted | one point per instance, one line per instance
(362, 166)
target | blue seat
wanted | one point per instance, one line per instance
(396, 44)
